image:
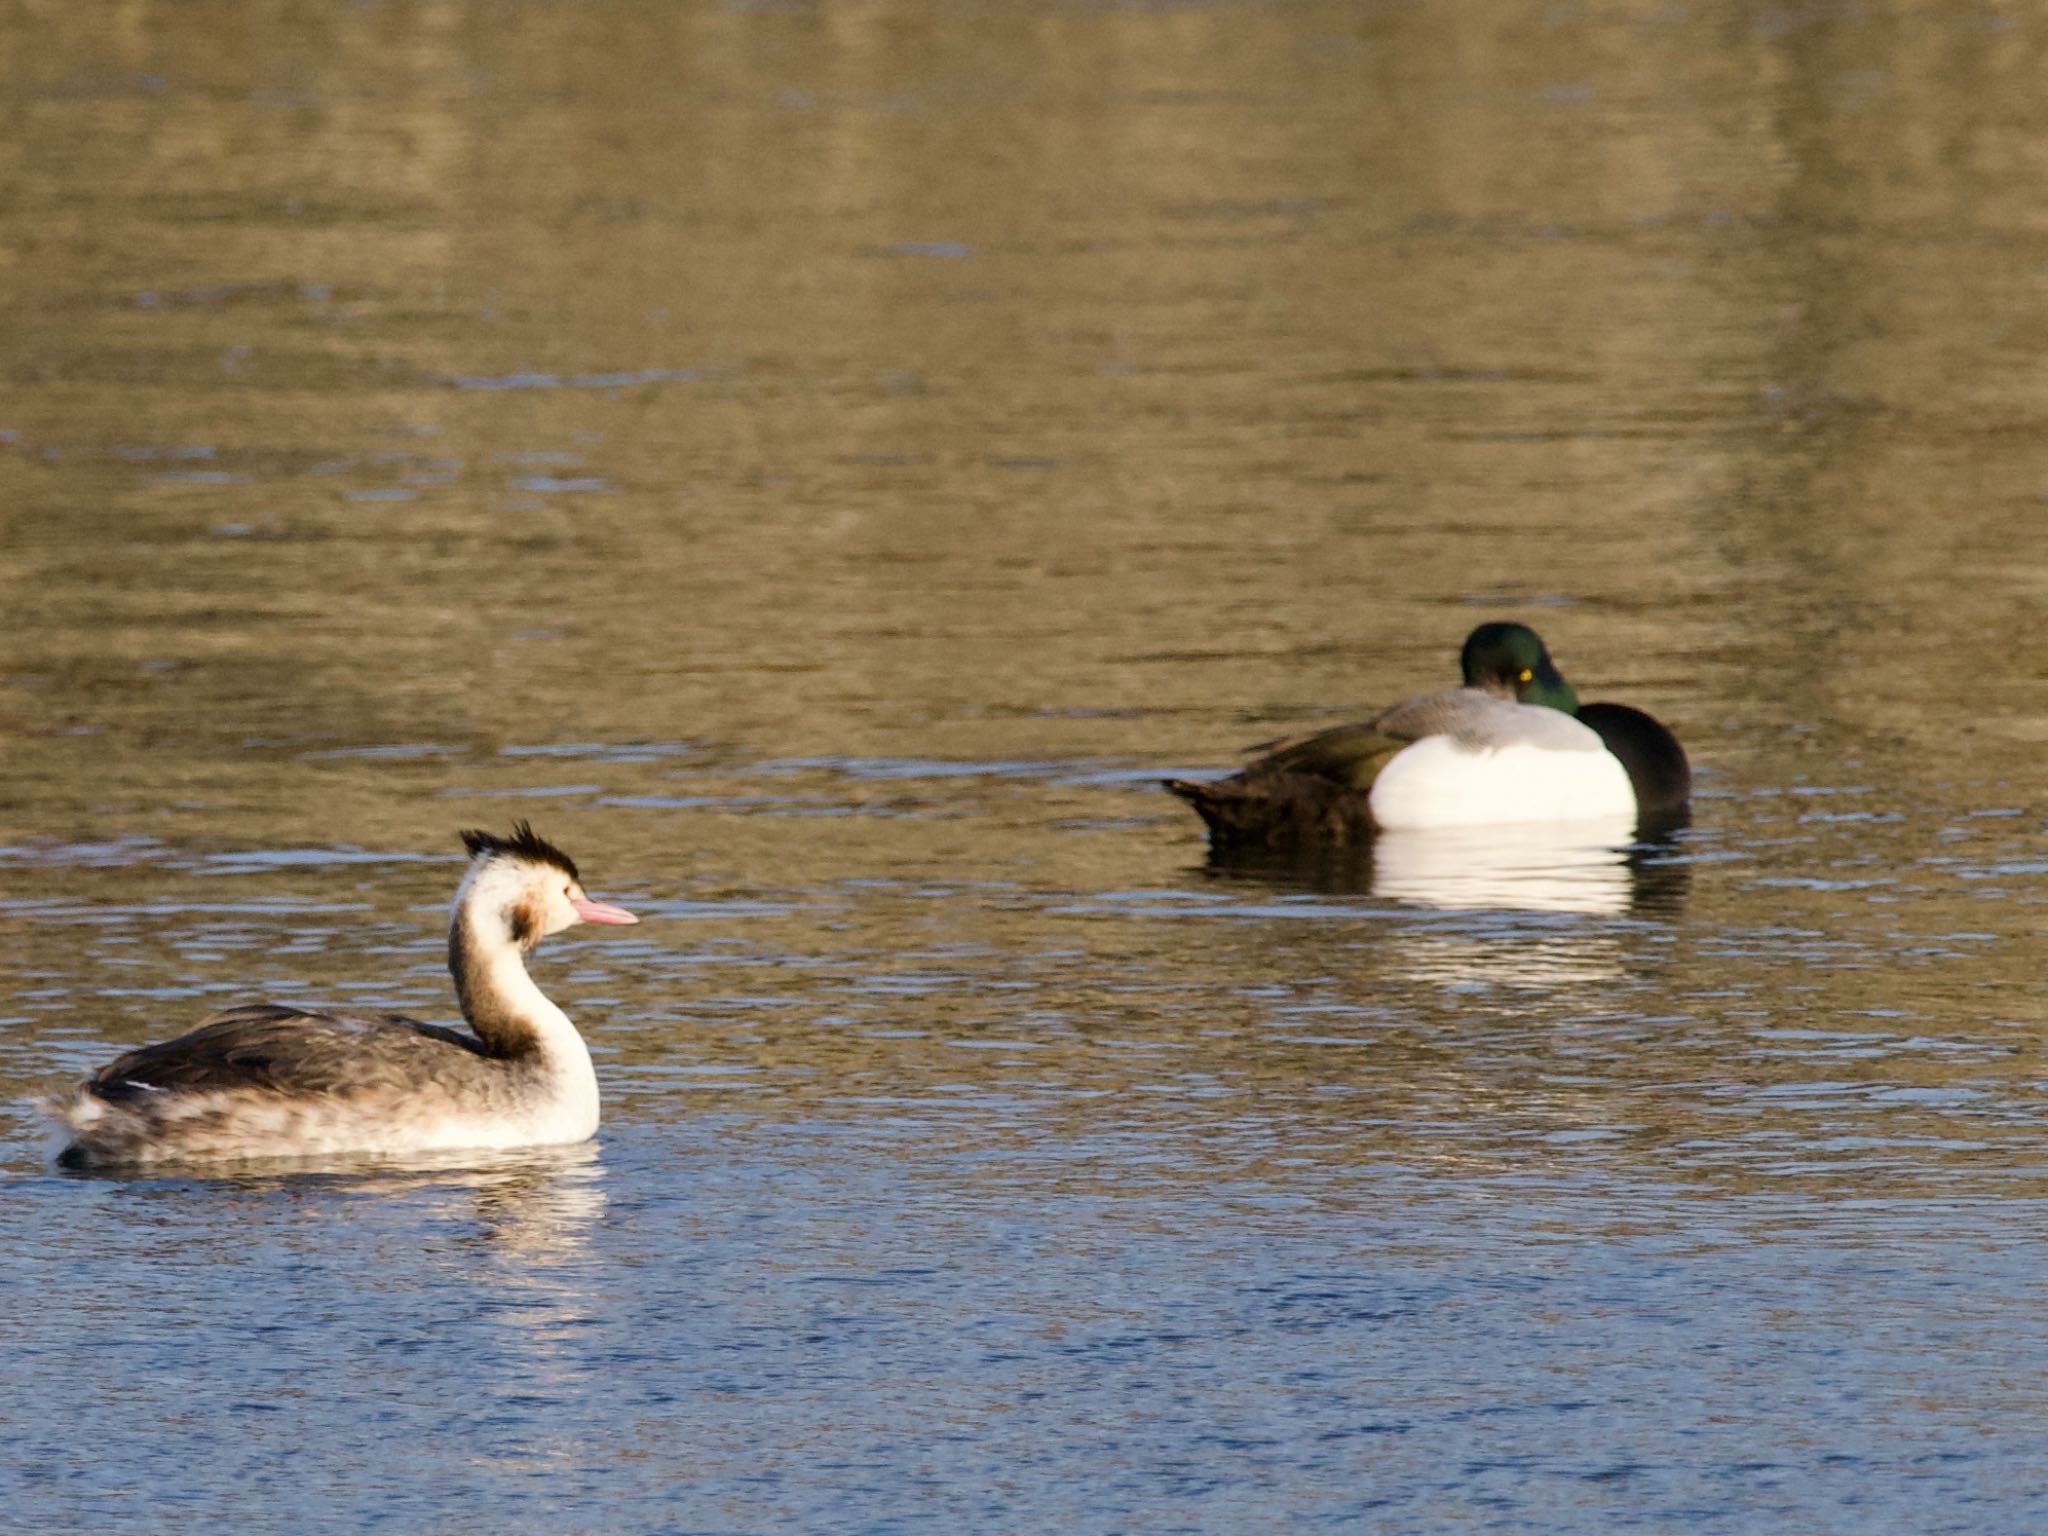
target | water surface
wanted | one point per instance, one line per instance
(823, 464)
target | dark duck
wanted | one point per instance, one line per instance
(1512, 745)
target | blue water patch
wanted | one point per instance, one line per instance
(399, 751)
(606, 751)
(945, 250)
(560, 484)
(622, 379)
(892, 768)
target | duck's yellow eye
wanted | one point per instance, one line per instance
(1525, 675)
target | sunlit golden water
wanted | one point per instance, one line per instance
(823, 463)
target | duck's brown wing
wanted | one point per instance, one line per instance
(1305, 789)
(1349, 756)
(284, 1050)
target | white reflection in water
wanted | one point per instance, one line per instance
(1573, 869)
(530, 1210)
(520, 1226)
(534, 1225)
(1579, 867)
(538, 1217)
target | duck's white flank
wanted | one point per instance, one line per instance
(1443, 781)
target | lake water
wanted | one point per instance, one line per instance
(824, 463)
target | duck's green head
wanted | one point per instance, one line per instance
(1510, 660)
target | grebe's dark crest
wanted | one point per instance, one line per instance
(524, 843)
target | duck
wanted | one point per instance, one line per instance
(268, 1080)
(1513, 745)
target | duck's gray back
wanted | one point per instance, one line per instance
(1479, 720)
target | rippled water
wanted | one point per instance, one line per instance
(824, 464)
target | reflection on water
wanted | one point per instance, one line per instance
(825, 466)
(1583, 870)
(1593, 868)
(1543, 869)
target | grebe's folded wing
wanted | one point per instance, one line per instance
(285, 1050)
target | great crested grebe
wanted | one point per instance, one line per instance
(262, 1080)
(1513, 745)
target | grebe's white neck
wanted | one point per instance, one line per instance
(502, 909)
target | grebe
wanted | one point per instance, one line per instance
(263, 1080)
(1512, 745)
